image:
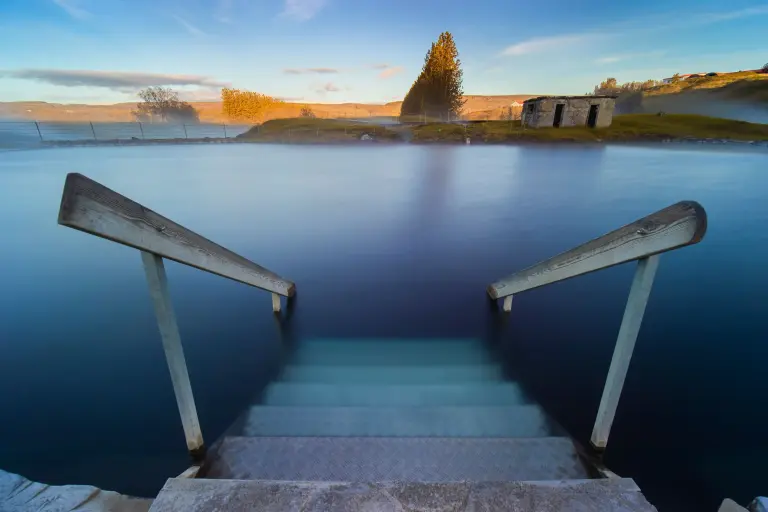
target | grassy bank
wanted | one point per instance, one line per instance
(626, 128)
(308, 130)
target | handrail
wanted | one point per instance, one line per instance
(676, 226)
(681, 224)
(91, 207)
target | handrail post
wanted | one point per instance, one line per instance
(508, 303)
(625, 345)
(174, 354)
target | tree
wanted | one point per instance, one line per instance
(438, 89)
(764, 69)
(307, 112)
(162, 104)
(246, 106)
(511, 114)
(610, 87)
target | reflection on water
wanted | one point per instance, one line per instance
(385, 241)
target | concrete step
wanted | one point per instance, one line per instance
(200, 495)
(297, 393)
(395, 351)
(408, 459)
(511, 421)
(452, 374)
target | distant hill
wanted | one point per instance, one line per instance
(742, 96)
(210, 112)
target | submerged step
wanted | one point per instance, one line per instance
(395, 351)
(477, 394)
(512, 421)
(393, 374)
(379, 459)
(201, 495)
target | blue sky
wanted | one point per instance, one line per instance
(102, 51)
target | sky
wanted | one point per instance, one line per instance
(369, 51)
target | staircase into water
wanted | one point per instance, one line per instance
(381, 410)
(348, 417)
(389, 424)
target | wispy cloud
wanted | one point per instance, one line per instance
(611, 59)
(115, 80)
(716, 17)
(380, 66)
(224, 11)
(390, 71)
(302, 10)
(73, 9)
(628, 29)
(189, 27)
(548, 44)
(327, 87)
(310, 71)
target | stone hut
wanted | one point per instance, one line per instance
(546, 111)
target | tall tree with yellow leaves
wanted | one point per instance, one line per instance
(438, 91)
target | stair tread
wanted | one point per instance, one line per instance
(367, 459)
(203, 495)
(446, 421)
(298, 393)
(394, 374)
(378, 351)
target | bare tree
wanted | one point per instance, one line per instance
(162, 104)
(764, 69)
(307, 112)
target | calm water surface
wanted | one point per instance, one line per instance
(390, 241)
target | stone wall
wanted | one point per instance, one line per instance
(575, 112)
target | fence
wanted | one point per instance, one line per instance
(21, 133)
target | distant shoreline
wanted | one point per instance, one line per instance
(520, 142)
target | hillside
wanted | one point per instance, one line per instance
(210, 112)
(742, 96)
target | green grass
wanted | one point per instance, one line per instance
(311, 130)
(626, 128)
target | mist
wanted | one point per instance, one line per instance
(752, 112)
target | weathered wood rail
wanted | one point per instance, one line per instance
(93, 208)
(676, 226)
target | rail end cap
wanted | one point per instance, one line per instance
(700, 214)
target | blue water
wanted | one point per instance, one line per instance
(386, 242)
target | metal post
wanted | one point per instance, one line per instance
(275, 303)
(141, 128)
(225, 130)
(625, 345)
(37, 125)
(94, 132)
(185, 131)
(508, 303)
(174, 354)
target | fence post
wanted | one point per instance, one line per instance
(93, 131)
(185, 131)
(38, 131)
(225, 130)
(141, 128)
(625, 345)
(174, 354)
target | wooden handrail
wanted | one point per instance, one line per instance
(91, 207)
(681, 224)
